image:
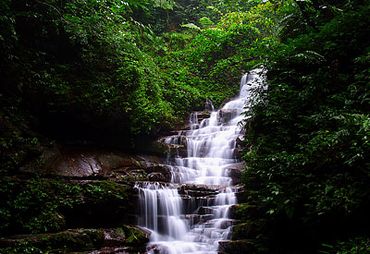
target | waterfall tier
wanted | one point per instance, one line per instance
(195, 219)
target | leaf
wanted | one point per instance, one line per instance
(191, 26)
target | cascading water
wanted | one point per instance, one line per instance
(184, 222)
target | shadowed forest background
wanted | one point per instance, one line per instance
(118, 74)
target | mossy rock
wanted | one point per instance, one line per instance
(135, 236)
(236, 247)
(131, 238)
(105, 190)
(244, 211)
(61, 242)
(247, 230)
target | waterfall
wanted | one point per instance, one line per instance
(191, 214)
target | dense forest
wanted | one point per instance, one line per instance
(118, 74)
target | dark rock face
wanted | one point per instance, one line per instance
(84, 164)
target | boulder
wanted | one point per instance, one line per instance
(100, 164)
(175, 145)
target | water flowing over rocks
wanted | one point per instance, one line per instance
(193, 213)
(183, 192)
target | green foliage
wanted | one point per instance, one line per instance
(308, 137)
(37, 205)
(29, 207)
(359, 245)
(25, 248)
(205, 22)
(97, 61)
(113, 71)
(60, 242)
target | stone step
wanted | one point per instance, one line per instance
(198, 218)
(220, 223)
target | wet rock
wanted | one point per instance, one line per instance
(234, 171)
(203, 210)
(135, 175)
(95, 164)
(136, 237)
(192, 218)
(198, 218)
(114, 237)
(233, 212)
(208, 105)
(236, 247)
(159, 172)
(157, 177)
(78, 166)
(223, 224)
(178, 139)
(239, 141)
(198, 190)
(225, 115)
(151, 159)
(111, 161)
(201, 115)
(175, 145)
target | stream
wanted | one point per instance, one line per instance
(191, 214)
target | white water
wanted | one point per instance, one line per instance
(189, 223)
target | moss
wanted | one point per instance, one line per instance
(105, 190)
(135, 236)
